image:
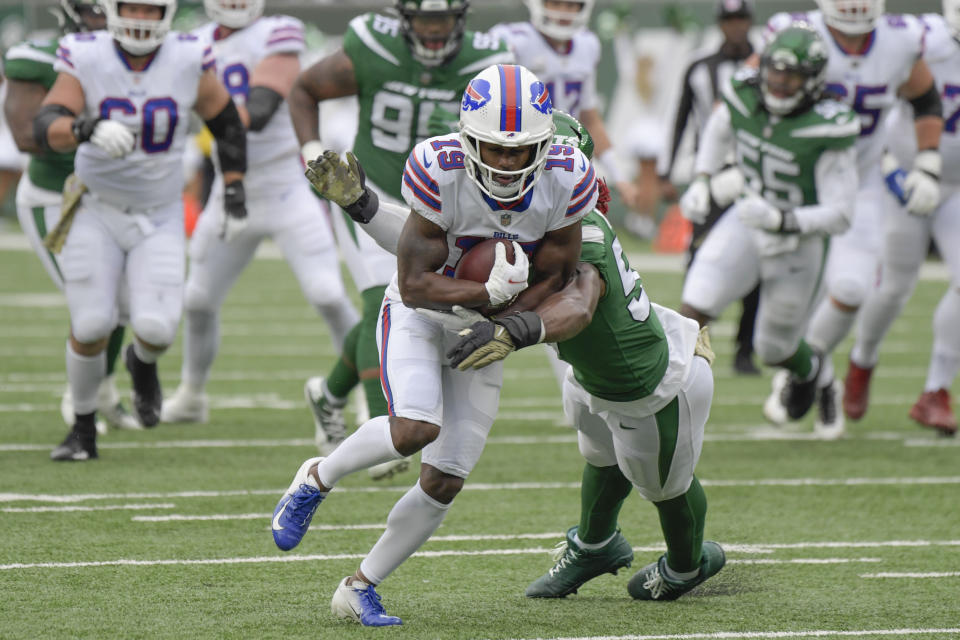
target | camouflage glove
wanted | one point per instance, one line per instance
(487, 341)
(343, 183)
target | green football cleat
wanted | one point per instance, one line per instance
(650, 584)
(574, 566)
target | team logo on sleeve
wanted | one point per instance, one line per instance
(540, 98)
(476, 95)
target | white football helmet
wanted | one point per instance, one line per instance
(852, 17)
(235, 14)
(550, 22)
(139, 37)
(506, 105)
(951, 13)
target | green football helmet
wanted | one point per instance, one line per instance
(793, 70)
(80, 15)
(438, 34)
(572, 133)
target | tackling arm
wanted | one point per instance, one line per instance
(553, 264)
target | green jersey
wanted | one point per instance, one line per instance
(778, 155)
(32, 61)
(622, 354)
(397, 93)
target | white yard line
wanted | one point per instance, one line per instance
(106, 507)
(352, 556)
(934, 574)
(764, 635)
(480, 486)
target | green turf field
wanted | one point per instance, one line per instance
(167, 534)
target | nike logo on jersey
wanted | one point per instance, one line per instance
(426, 164)
(583, 164)
(276, 518)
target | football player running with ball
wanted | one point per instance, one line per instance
(29, 72)
(122, 100)
(797, 152)
(401, 69)
(500, 177)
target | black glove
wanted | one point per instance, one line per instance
(488, 341)
(83, 126)
(235, 210)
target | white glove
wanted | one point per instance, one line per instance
(695, 201)
(456, 320)
(113, 137)
(726, 185)
(756, 213)
(311, 151)
(506, 280)
(922, 184)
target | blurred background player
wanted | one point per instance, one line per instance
(874, 60)
(400, 68)
(557, 46)
(906, 243)
(796, 150)
(29, 75)
(122, 99)
(257, 59)
(701, 92)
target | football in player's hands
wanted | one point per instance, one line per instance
(477, 262)
(503, 283)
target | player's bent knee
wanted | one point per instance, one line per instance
(91, 326)
(771, 350)
(196, 298)
(155, 330)
(410, 436)
(442, 487)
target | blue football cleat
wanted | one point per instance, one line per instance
(291, 517)
(361, 602)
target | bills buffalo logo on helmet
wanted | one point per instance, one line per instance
(476, 95)
(540, 98)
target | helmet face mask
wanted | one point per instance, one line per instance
(433, 29)
(793, 70)
(136, 36)
(80, 15)
(951, 13)
(852, 17)
(505, 106)
(235, 14)
(559, 23)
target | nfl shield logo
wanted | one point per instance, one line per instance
(506, 219)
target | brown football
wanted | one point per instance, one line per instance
(476, 264)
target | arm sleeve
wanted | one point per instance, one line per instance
(385, 227)
(715, 142)
(836, 180)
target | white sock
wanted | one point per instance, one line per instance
(84, 374)
(201, 340)
(828, 327)
(145, 355)
(592, 545)
(340, 318)
(945, 356)
(677, 576)
(370, 444)
(411, 522)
